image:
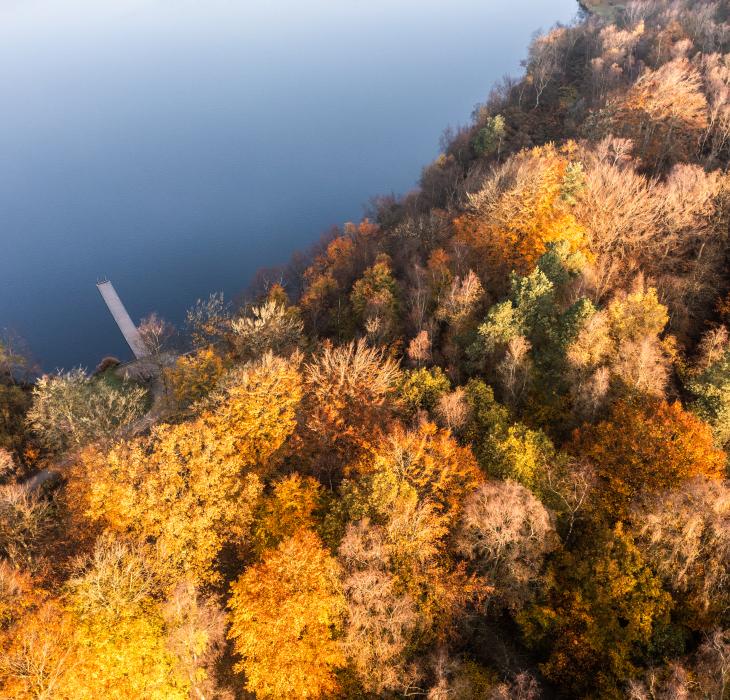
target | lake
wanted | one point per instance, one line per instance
(176, 146)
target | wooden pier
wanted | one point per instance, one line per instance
(123, 319)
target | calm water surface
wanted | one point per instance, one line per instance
(175, 146)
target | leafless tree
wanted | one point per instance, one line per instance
(41, 654)
(713, 664)
(349, 391)
(672, 231)
(665, 112)
(419, 349)
(270, 327)
(461, 299)
(522, 687)
(26, 521)
(7, 463)
(208, 320)
(616, 62)
(506, 532)
(686, 536)
(514, 370)
(568, 485)
(544, 60)
(453, 409)
(196, 632)
(382, 619)
(455, 680)
(156, 334)
(712, 347)
(702, 676)
(672, 683)
(115, 577)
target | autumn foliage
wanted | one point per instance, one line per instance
(647, 446)
(284, 612)
(473, 447)
(520, 209)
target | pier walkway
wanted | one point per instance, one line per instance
(123, 319)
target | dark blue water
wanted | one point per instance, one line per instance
(176, 146)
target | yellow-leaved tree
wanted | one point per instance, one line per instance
(119, 638)
(105, 636)
(188, 489)
(194, 376)
(289, 507)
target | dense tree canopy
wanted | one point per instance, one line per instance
(472, 447)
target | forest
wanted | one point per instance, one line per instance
(471, 447)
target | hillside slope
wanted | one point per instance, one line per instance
(473, 446)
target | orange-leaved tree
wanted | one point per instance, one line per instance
(374, 300)
(524, 205)
(326, 281)
(285, 613)
(34, 631)
(647, 445)
(427, 464)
